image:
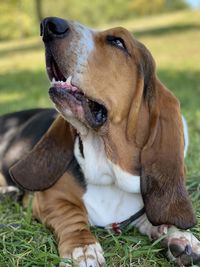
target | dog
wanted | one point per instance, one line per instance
(114, 155)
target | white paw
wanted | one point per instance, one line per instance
(8, 189)
(184, 248)
(87, 256)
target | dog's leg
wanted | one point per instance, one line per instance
(182, 246)
(2, 180)
(8, 190)
(61, 208)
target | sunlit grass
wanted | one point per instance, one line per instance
(19, 61)
(10, 98)
(187, 17)
(174, 42)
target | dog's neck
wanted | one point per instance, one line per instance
(107, 184)
(98, 169)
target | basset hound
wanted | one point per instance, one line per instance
(114, 156)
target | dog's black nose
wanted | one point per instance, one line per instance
(53, 27)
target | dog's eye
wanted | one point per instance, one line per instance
(117, 42)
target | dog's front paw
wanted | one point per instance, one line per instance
(184, 248)
(87, 256)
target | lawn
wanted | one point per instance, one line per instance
(174, 42)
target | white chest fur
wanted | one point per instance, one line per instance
(112, 195)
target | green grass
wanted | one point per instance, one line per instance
(174, 42)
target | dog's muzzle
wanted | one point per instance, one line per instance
(63, 92)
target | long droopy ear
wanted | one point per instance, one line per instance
(162, 159)
(48, 160)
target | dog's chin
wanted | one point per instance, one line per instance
(73, 102)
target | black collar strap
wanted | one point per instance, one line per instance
(117, 228)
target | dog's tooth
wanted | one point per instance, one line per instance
(53, 81)
(69, 79)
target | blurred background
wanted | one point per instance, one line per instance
(20, 18)
(169, 28)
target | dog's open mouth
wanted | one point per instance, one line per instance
(64, 93)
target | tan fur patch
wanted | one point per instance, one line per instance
(2, 180)
(62, 209)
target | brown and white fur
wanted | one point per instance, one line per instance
(117, 146)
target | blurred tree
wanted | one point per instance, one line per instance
(175, 4)
(142, 7)
(38, 8)
(15, 22)
(104, 11)
(19, 18)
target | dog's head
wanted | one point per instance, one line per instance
(94, 75)
(105, 81)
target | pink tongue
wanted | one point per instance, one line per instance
(65, 85)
